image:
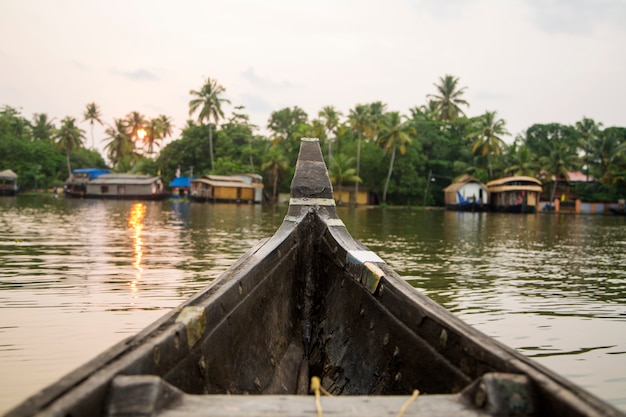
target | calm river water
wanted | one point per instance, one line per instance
(77, 276)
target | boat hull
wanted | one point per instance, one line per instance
(467, 207)
(517, 208)
(217, 200)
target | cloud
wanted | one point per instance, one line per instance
(137, 75)
(444, 10)
(255, 104)
(79, 65)
(263, 82)
(576, 17)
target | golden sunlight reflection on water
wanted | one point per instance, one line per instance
(135, 224)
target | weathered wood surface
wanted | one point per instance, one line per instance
(311, 301)
(144, 396)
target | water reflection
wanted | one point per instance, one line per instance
(135, 223)
(453, 256)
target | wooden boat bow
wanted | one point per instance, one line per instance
(311, 302)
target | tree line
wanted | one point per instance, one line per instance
(390, 154)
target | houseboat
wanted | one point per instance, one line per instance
(466, 194)
(8, 182)
(76, 184)
(126, 187)
(239, 188)
(517, 194)
(180, 187)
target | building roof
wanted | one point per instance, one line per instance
(181, 182)
(227, 178)
(93, 172)
(222, 183)
(514, 183)
(514, 180)
(577, 176)
(115, 179)
(7, 174)
(460, 182)
(81, 170)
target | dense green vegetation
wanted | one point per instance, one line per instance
(388, 153)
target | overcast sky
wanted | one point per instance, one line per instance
(532, 61)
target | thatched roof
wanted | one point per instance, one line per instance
(514, 180)
(460, 182)
(515, 183)
(7, 174)
(453, 194)
(221, 183)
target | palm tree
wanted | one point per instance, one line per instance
(283, 122)
(341, 169)
(316, 129)
(588, 131)
(152, 135)
(42, 127)
(120, 145)
(521, 161)
(286, 126)
(449, 99)
(486, 132)
(393, 135)
(209, 102)
(606, 149)
(558, 163)
(135, 122)
(165, 126)
(330, 117)
(157, 130)
(275, 162)
(92, 115)
(426, 112)
(377, 111)
(69, 137)
(359, 119)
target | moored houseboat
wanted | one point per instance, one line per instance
(466, 194)
(8, 182)
(239, 188)
(516, 194)
(76, 184)
(180, 187)
(126, 187)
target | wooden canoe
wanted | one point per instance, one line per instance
(311, 302)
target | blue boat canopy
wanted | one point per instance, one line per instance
(181, 182)
(93, 172)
